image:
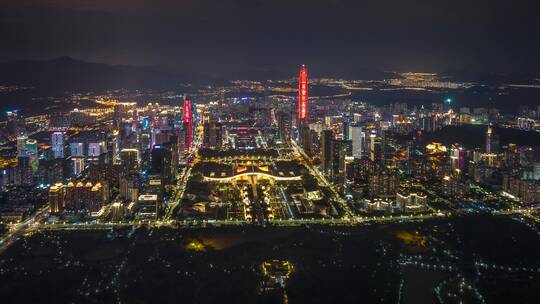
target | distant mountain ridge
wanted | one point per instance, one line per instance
(66, 73)
(69, 74)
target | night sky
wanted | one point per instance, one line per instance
(224, 36)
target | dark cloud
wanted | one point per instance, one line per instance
(229, 36)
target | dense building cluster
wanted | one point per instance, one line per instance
(128, 160)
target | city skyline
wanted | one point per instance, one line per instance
(201, 171)
(269, 151)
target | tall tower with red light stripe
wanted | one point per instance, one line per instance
(303, 94)
(188, 125)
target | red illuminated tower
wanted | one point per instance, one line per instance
(188, 125)
(303, 94)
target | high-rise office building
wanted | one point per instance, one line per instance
(188, 125)
(130, 161)
(24, 172)
(164, 162)
(50, 171)
(77, 164)
(31, 147)
(457, 157)
(376, 144)
(57, 143)
(129, 188)
(326, 149)
(21, 144)
(338, 168)
(116, 143)
(358, 137)
(348, 147)
(305, 138)
(284, 126)
(303, 106)
(489, 134)
(76, 149)
(347, 129)
(121, 111)
(213, 135)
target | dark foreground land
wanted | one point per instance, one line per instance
(472, 259)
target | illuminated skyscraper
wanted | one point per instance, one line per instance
(337, 162)
(303, 94)
(358, 137)
(188, 125)
(213, 135)
(77, 164)
(305, 138)
(131, 161)
(76, 149)
(457, 157)
(284, 124)
(57, 143)
(372, 144)
(31, 148)
(326, 150)
(164, 162)
(24, 173)
(56, 198)
(488, 139)
(21, 144)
